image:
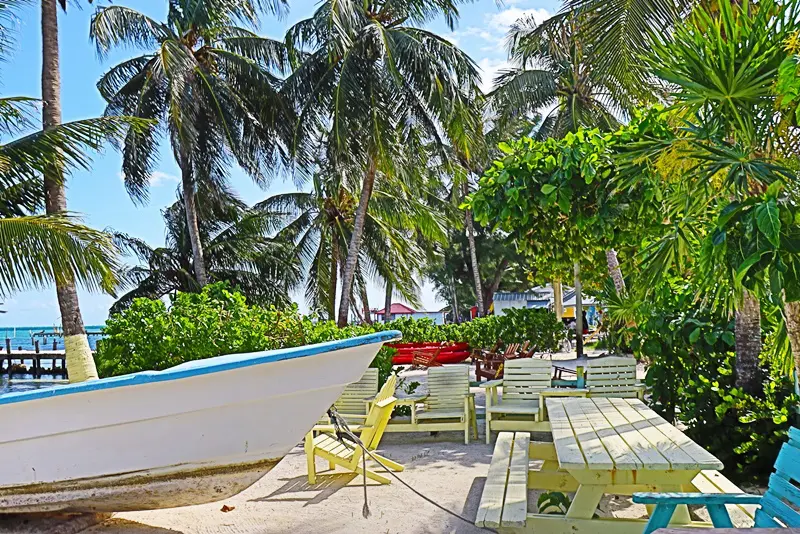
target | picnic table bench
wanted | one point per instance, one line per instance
(600, 446)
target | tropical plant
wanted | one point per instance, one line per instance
(238, 249)
(378, 88)
(721, 65)
(320, 224)
(210, 85)
(553, 70)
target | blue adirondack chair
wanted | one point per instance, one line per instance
(778, 506)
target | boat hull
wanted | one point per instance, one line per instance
(191, 439)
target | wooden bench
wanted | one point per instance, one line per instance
(504, 502)
(742, 515)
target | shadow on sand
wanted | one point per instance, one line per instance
(123, 526)
(299, 490)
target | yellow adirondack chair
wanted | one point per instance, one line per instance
(353, 403)
(518, 407)
(449, 404)
(349, 455)
(613, 377)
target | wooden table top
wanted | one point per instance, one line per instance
(620, 434)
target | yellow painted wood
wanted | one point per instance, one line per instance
(336, 453)
(715, 482)
(613, 377)
(555, 524)
(557, 392)
(490, 510)
(548, 480)
(542, 450)
(585, 502)
(523, 379)
(515, 506)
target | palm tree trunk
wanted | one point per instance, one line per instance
(748, 343)
(334, 278)
(80, 363)
(792, 312)
(365, 305)
(190, 204)
(615, 271)
(491, 289)
(468, 223)
(355, 243)
(456, 316)
(387, 303)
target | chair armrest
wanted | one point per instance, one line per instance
(696, 498)
(491, 384)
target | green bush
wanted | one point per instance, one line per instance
(149, 335)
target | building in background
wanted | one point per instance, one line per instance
(397, 310)
(538, 297)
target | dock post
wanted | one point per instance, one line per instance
(55, 344)
(8, 346)
(36, 345)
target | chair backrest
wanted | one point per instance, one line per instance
(523, 379)
(388, 388)
(376, 422)
(447, 387)
(511, 349)
(780, 505)
(352, 398)
(612, 377)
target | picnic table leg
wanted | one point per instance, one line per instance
(309, 449)
(681, 515)
(586, 500)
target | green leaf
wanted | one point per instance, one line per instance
(548, 188)
(751, 260)
(768, 221)
(505, 147)
(694, 336)
(728, 338)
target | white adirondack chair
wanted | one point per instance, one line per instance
(518, 407)
(613, 376)
(449, 404)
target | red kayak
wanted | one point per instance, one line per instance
(451, 352)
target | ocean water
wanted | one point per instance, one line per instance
(22, 338)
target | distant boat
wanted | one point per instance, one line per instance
(196, 433)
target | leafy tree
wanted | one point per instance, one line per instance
(722, 64)
(238, 250)
(377, 86)
(210, 85)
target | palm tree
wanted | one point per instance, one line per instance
(378, 84)
(238, 249)
(76, 343)
(554, 71)
(211, 86)
(320, 224)
(38, 250)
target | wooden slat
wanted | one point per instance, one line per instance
(596, 455)
(617, 448)
(714, 482)
(494, 491)
(643, 449)
(567, 449)
(704, 459)
(676, 457)
(515, 507)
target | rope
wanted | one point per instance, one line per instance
(343, 431)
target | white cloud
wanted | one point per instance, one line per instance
(490, 68)
(158, 178)
(502, 21)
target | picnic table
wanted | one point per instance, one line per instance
(600, 446)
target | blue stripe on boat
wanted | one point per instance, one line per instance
(203, 367)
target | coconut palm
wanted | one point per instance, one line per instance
(554, 72)
(211, 86)
(378, 84)
(38, 250)
(238, 249)
(320, 224)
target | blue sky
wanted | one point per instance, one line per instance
(99, 194)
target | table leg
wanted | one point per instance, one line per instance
(586, 500)
(681, 515)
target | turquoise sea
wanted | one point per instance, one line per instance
(22, 338)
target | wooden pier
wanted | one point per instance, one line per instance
(36, 357)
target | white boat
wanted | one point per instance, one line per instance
(196, 433)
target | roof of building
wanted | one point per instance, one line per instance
(397, 309)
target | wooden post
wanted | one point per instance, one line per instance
(558, 300)
(55, 344)
(36, 345)
(37, 363)
(578, 312)
(580, 383)
(8, 346)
